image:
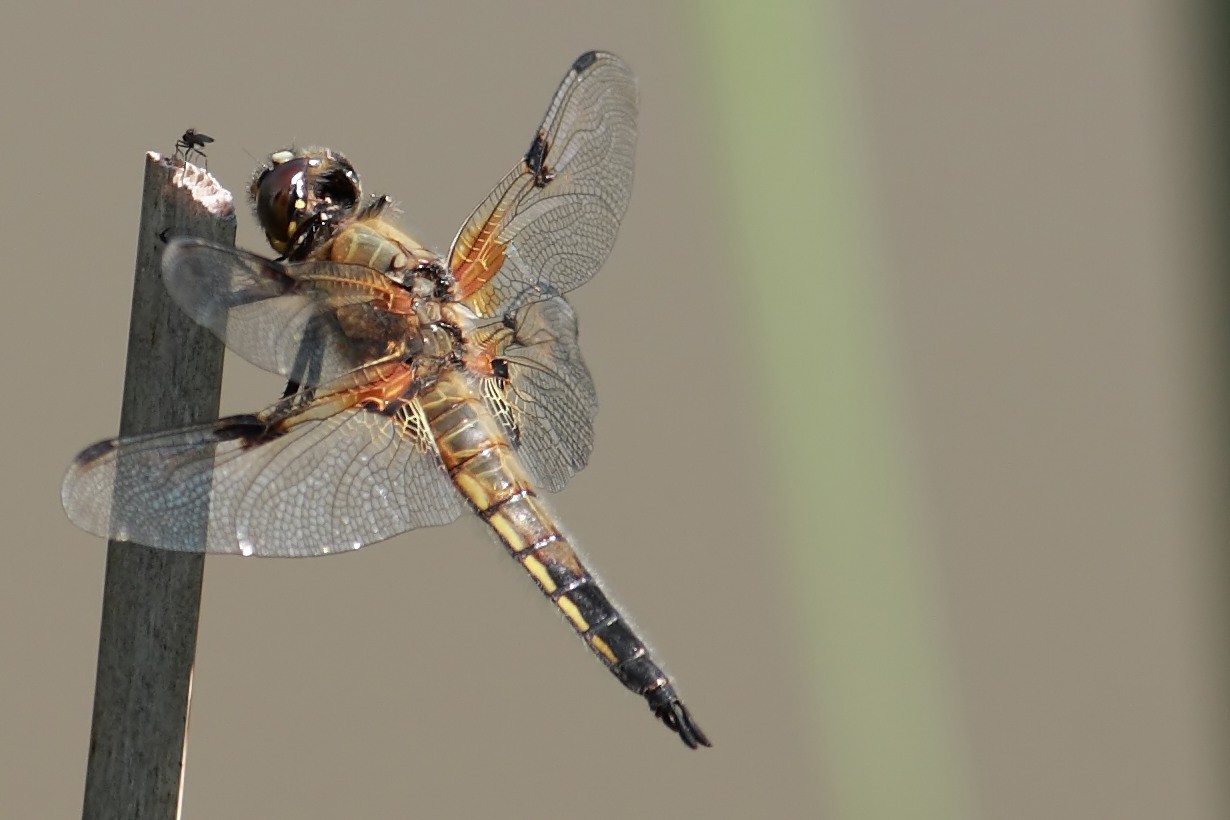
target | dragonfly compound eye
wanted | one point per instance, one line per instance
(303, 191)
(280, 196)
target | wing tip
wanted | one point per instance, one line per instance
(585, 60)
(94, 452)
(174, 254)
(79, 499)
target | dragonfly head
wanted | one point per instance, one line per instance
(301, 195)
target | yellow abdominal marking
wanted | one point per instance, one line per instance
(509, 533)
(535, 567)
(603, 648)
(574, 614)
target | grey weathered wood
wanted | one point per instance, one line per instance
(151, 597)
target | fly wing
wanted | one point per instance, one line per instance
(294, 480)
(544, 396)
(550, 223)
(276, 315)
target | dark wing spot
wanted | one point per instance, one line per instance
(96, 451)
(584, 61)
(535, 160)
(248, 430)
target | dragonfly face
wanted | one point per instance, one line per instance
(301, 195)
(420, 386)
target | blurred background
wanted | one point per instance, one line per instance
(909, 462)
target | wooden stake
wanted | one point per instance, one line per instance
(151, 598)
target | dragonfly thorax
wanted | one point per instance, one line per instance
(441, 342)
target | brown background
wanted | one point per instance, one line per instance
(1034, 170)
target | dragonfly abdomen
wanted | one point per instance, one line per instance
(485, 469)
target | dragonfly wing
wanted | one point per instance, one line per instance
(290, 481)
(543, 395)
(551, 222)
(277, 314)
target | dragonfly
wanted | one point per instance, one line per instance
(420, 387)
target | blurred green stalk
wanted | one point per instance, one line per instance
(1211, 20)
(787, 138)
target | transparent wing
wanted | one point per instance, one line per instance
(277, 315)
(293, 480)
(550, 224)
(545, 397)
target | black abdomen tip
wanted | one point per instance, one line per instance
(667, 706)
(678, 718)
